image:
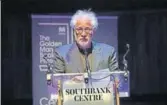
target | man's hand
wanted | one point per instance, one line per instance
(78, 79)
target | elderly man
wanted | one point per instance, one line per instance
(71, 58)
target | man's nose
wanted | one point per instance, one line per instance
(83, 34)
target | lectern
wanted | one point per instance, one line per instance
(103, 88)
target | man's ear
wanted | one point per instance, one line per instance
(93, 32)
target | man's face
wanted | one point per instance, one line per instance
(83, 32)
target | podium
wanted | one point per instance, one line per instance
(103, 88)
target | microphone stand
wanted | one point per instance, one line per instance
(125, 62)
(125, 75)
(88, 74)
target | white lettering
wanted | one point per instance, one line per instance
(42, 37)
(50, 55)
(43, 67)
(42, 99)
(42, 60)
(49, 43)
(46, 101)
(62, 29)
(52, 102)
(46, 49)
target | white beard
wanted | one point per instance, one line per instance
(84, 45)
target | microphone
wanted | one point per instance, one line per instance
(87, 74)
(48, 72)
(128, 46)
(125, 62)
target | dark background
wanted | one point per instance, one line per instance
(141, 23)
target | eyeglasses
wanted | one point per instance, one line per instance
(87, 30)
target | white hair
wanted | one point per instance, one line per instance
(84, 13)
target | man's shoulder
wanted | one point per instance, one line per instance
(104, 46)
(63, 48)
